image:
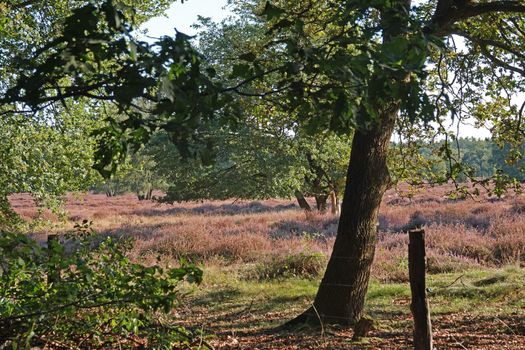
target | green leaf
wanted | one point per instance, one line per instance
(395, 51)
(271, 11)
(249, 57)
(240, 71)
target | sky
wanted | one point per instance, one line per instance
(183, 15)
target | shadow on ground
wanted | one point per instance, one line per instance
(218, 209)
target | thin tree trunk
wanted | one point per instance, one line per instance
(334, 203)
(303, 203)
(321, 202)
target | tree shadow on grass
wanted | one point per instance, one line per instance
(217, 296)
(250, 322)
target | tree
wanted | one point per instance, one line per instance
(45, 158)
(136, 174)
(263, 154)
(94, 55)
(243, 164)
(345, 65)
(46, 151)
(326, 156)
(252, 163)
(403, 66)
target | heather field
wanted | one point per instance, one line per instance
(263, 260)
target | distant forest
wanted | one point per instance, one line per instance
(483, 157)
(298, 165)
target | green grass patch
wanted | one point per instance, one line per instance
(307, 265)
(479, 292)
(474, 291)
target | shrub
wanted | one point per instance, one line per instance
(440, 262)
(417, 220)
(509, 236)
(391, 265)
(314, 226)
(518, 207)
(303, 265)
(461, 242)
(479, 222)
(91, 294)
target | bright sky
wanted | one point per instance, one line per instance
(183, 15)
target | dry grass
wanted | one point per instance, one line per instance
(460, 234)
(262, 258)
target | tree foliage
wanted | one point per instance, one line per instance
(138, 174)
(85, 290)
(95, 56)
(344, 66)
(251, 164)
(49, 148)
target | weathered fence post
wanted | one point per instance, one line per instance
(53, 275)
(419, 306)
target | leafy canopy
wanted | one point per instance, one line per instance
(327, 63)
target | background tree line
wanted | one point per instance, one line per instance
(252, 165)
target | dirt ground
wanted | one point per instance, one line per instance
(455, 331)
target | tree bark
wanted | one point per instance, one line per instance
(341, 295)
(303, 203)
(321, 202)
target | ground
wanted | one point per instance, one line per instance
(263, 261)
(477, 309)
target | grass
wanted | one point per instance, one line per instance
(494, 297)
(474, 291)
(263, 262)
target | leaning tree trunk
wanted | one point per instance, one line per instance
(303, 203)
(341, 295)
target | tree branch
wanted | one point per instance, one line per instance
(248, 80)
(449, 12)
(484, 43)
(493, 6)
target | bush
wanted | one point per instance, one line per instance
(89, 294)
(302, 265)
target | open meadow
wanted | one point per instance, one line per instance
(263, 260)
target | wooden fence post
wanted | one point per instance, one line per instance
(419, 306)
(53, 275)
